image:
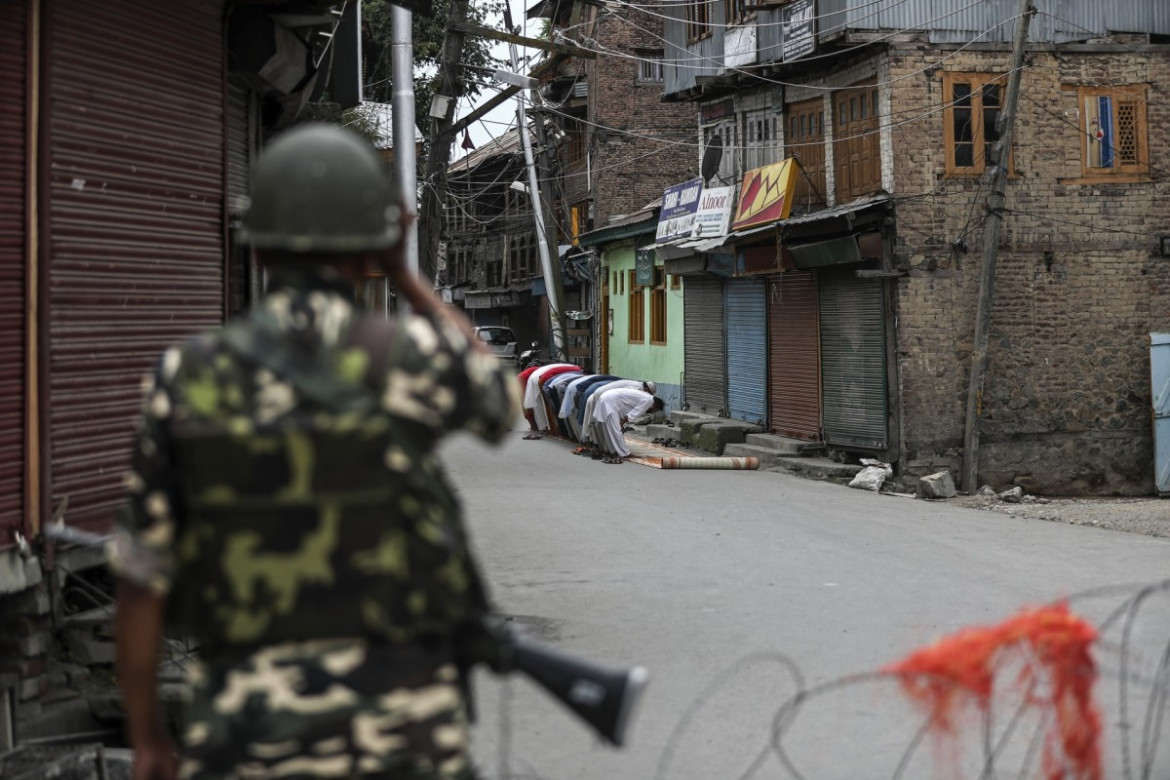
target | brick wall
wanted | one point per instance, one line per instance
(631, 168)
(1066, 403)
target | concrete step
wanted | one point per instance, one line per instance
(679, 417)
(768, 458)
(660, 431)
(818, 468)
(784, 444)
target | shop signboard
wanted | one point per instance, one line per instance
(799, 29)
(713, 217)
(679, 204)
(765, 195)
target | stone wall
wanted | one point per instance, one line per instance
(1066, 402)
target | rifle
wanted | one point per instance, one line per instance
(602, 697)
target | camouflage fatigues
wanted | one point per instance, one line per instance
(286, 499)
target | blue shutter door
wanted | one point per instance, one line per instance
(747, 350)
(1160, 392)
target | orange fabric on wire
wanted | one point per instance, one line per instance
(1052, 641)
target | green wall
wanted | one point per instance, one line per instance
(659, 363)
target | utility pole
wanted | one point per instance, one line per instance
(439, 154)
(402, 104)
(552, 279)
(991, 235)
(544, 149)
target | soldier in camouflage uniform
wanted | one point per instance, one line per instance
(287, 509)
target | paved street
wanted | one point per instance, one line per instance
(690, 572)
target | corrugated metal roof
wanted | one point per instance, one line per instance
(506, 144)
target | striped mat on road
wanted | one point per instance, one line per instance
(660, 457)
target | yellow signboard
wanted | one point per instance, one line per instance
(766, 195)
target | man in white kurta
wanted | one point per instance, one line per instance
(532, 397)
(569, 404)
(615, 409)
(595, 399)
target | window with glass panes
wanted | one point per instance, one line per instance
(698, 19)
(1113, 130)
(972, 103)
(761, 145)
(725, 130)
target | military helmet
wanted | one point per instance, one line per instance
(319, 188)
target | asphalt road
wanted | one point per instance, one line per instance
(708, 577)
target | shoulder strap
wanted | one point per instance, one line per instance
(258, 340)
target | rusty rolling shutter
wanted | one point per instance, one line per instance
(794, 356)
(136, 193)
(13, 129)
(705, 377)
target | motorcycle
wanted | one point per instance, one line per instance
(529, 358)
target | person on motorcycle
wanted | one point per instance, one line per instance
(287, 510)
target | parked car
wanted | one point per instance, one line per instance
(499, 339)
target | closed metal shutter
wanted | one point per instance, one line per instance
(238, 160)
(794, 356)
(705, 377)
(853, 359)
(136, 187)
(13, 148)
(747, 350)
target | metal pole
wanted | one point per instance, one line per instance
(402, 105)
(991, 236)
(551, 288)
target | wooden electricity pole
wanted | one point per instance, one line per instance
(441, 136)
(991, 235)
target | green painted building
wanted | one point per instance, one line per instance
(641, 307)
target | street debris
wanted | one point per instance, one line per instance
(987, 490)
(937, 485)
(1012, 495)
(872, 476)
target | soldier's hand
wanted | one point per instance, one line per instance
(155, 761)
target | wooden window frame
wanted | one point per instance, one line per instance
(636, 326)
(739, 11)
(658, 322)
(578, 221)
(805, 139)
(1139, 96)
(977, 82)
(860, 129)
(697, 18)
(575, 143)
(650, 66)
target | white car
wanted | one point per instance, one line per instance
(499, 339)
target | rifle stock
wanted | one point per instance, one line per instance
(601, 696)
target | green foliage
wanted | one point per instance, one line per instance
(428, 33)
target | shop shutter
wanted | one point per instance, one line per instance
(747, 350)
(853, 359)
(794, 356)
(135, 97)
(13, 149)
(238, 161)
(705, 377)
